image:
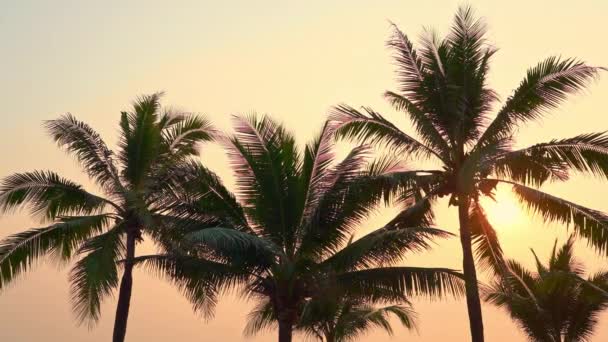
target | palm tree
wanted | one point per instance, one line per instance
(101, 229)
(283, 239)
(344, 319)
(443, 90)
(336, 319)
(555, 303)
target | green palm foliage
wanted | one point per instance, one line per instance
(284, 237)
(100, 230)
(555, 303)
(443, 89)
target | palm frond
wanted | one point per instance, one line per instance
(20, 251)
(545, 86)
(88, 147)
(182, 137)
(373, 128)
(239, 247)
(201, 281)
(140, 139)
(261, 318)
(422, 123)
(585, 153)
(411, 281)
(587, 223)
(488, 251)
(49, 195)
(266, 164)
(95, 275)
(197, 193)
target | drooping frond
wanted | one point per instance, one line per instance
(373, 128)
(411, 281)
(588, 223)
(48, 195)
(95, 275)
(546, 86)
(20, 251)
(201, 281)
(88, 147)
(261, 318)
(238, 247)
(585, 153)
(485, 240)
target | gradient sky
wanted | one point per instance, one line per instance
(291, 59)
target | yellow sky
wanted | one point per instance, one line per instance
(290, 59)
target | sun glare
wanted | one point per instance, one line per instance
(504, 212)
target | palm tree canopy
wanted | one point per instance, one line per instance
(344, 319)
(285, 236)
(554, 303)
(444, 92)
(153, 144)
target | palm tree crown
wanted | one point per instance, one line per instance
(443, 89)
(101, 229)
(284, 236)
(555, 303)
(345, 319)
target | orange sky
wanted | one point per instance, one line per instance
(290, 59)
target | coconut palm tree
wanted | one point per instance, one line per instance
(443, 89)
(336, 319)
(101, 229)
(344, 319)
(555, 303)
(284, 236)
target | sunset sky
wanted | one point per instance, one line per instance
(292, 60)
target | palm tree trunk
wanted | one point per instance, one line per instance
(470, 275)
(285, 329)
(124, 294)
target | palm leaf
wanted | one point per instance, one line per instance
(545, 86)
(588, 223)
(373, 128)
(382, 247)
(488, 251)
(89, 148)
(95, 275)
(49, 195)
(411, 281)
(19, 251)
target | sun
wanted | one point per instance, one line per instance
(505, 212)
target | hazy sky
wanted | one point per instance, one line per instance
(291, 59)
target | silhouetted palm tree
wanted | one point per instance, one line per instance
(554, 303)
(344, 319)
(443, 90)
(102, 229)
(334, 318)
(283, 239)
